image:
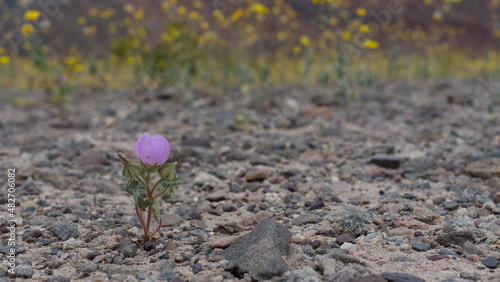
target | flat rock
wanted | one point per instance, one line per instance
(306, 274)
(484, 168)
(65, 230)
(385, 160)
(456, 238)
(260, 252)
(171, 219)
(372, 278)
(306, 218)
(421, 247)
(437, 257)
(401, 277)
(225, 242)
(257, 175)
(217, 196)
(490, 262)
(92, 157)
(472, 249)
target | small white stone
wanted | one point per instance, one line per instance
(297, 238)
(349, 246)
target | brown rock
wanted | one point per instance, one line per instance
(410, 223)
(485, 168)
(400, 231)
(225, 241)
(496, 198)
(171, 219)
(257, 175)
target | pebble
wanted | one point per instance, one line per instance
(472, 249)
(65, 230)
(401, 277)
(456, 238)
(344, 238)
(71, 243)
(421, 247)
(257, 175)
(127, 248)
(437, 257)
(306, 218)
(490, 262)
(385, 160)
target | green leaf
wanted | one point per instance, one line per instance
(167, 171)
(131, 168)
(139, 193)
(165, 184)
(132, 186)
(156, 210)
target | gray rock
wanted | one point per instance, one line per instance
(127, 248)
(168, 275)
(306, 274)
(18, 249)
(456, 237)
(421, 247)
(92, 157)
(401, 277)
(446, 251)
(385, 160)
(22, 272)
(372, 278)
(32, 234)
(470, 276)
(472, 249)
(163, 264)
(92, 267)
(450, 205)
(341, 256)
(495, 154)
(260, 252)
(490, 262)
(345, 275)
(306, 218)
(65, 230)
(217, 196)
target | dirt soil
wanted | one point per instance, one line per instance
(396, 182)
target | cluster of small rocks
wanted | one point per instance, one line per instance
(371, 191)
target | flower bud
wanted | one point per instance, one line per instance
(131, 168)
(167, 171)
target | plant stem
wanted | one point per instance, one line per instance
(161, 193)
(140, 181)
(150, 196)
(141, 220)
(154, 187)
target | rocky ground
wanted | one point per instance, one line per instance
(281, 184)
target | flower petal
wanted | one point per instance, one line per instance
(160, 149)
(141, 146)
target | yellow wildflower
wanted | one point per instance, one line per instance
(259, 8)
(31, 15)
(304, 40)
(27, 29)
(78, 67)
(93, 12)
(4, 60)
(181, 10)
(370, 44)
(81, 20)
(296, 49)
(364, 28)
(361, 12)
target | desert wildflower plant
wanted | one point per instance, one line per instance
(152, 153)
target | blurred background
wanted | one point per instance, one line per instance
(59, 47)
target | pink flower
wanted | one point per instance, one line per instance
(152, 150)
